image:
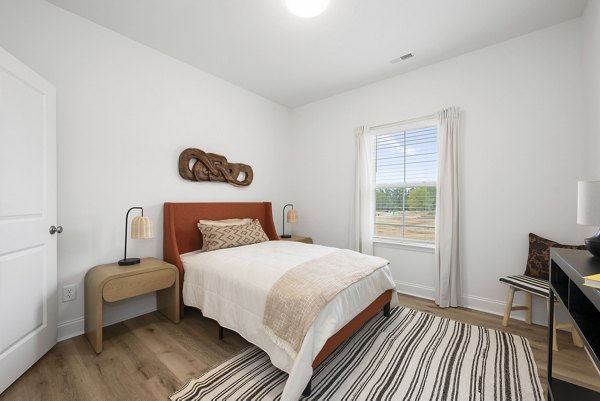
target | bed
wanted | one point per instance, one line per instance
(181, 237)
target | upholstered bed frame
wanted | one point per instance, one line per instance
(181, 235)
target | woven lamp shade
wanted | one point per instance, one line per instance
(142, 228)
(292, 216)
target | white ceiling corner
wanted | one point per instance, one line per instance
(260, 46)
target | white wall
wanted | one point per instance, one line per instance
(125, 112)
(522, 138)
(591, 64)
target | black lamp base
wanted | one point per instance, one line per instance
(592, 244)
(285, 236)
(129, 261)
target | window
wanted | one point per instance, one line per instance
(405, 184)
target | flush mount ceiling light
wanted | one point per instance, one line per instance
(306, 8)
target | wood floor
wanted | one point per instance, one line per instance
(148, 358)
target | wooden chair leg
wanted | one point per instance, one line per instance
(554, 339)
(528, 304)
(576, 338)
(508, 308)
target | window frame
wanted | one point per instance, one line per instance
(387, 129)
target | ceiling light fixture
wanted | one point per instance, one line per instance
(306, 8)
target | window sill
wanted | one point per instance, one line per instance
(409, 246)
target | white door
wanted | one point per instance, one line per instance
(28, 300)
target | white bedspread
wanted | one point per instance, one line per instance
(231, 286)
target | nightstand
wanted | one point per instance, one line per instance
(112, 282)
(306, 240)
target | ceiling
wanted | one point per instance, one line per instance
(260, 46)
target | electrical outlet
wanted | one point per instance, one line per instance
(69, 293)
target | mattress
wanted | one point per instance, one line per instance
(231, 286)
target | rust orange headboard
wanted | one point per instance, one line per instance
(181, 232)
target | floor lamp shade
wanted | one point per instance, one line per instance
(141, 228)
(588, 211)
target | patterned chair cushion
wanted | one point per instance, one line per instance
(539, 255)
(534, 285)
(222, 237)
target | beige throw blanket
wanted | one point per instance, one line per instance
(298, 296)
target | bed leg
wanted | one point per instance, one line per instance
(220, 332)
(386, 310)
(307, 389)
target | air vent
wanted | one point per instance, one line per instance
(402, 58)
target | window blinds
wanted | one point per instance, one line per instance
(407, 158)
(405, 182)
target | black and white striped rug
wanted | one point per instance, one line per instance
(410, 356)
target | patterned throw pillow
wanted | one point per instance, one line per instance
(539, 255)
(222, 237)
(226, 222)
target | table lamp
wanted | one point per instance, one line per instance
(141, 228)
(292, 217)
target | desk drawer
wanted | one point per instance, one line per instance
(138, 284)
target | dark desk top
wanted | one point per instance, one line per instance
(577, 264)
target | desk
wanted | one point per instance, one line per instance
(567, 268)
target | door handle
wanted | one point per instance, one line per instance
(54, 229)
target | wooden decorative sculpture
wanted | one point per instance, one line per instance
(212, 167)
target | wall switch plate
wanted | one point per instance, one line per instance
(69, 293)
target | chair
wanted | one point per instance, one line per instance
(535, 283)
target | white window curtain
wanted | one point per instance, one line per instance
(361, 228)
(447, 259)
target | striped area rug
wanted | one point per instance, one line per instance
(410, 356)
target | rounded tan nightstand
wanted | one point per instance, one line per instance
(306, 240)
(112, 282)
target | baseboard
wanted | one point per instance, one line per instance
(469, 301)
(482, 304)
(76, 327)
(416, 290)
(70, 328)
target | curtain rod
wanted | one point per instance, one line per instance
(412, 120)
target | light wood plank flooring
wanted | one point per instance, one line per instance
(147, 358)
